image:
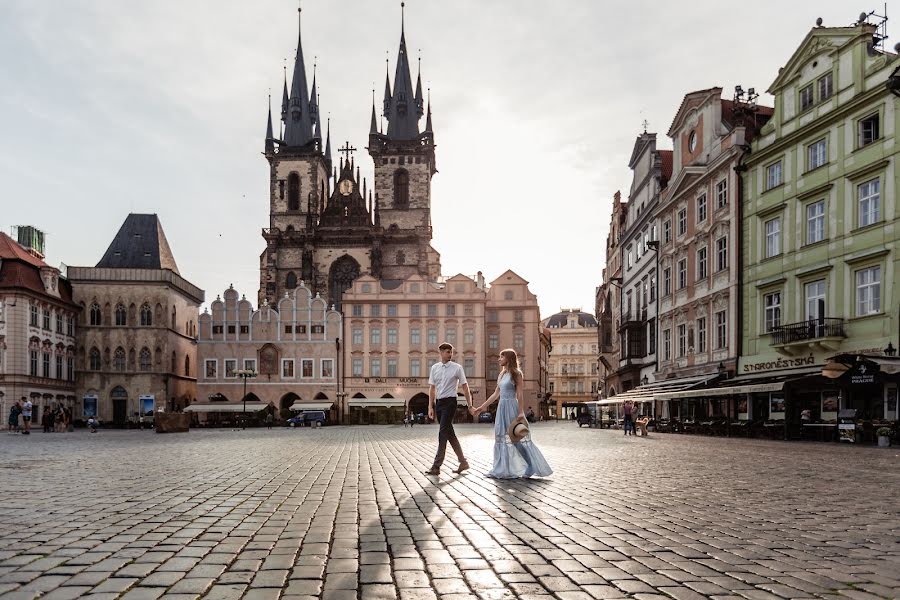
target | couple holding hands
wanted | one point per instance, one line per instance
(515, 455)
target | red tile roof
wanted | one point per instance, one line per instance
(11, 250)
(21, 270)
(666, 156)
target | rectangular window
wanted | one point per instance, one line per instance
(375, 310)
(70, 326)
(468, 310)
(70, 368)
(33, 363)
(667, 281)
(868, 130)
(230, 368)
(415, 310)
(826, 87)
(375, 367)
(287, 368)
(667, 231)
(392, 367)
(211, 368)
(357, 336)
(392, 336)
(469, 367)
(289, 329)
(327, 366)
(432, 310)
(451, 310)
(306, 367)
(868, 291)
(651, 328)
(630, 258)
(653, 286)
(682, 273)
(702, 263)
(773, 237)
(59, 366)
(59, 323)
(246, 329)
(249, 364)
(432, 336)
(772, 303)
(46, 319)
(701, 334)
(519, 316)
(415, 336)
(46, 365)
(721, 254)
(869, 202)
(231, 329)
(773, 175)
(450, 336)
(682, 340)
(34, 317)
(816, 155)
(468, 337)
(722, 194)
(815, 300)
(357, 310)
(667, 344)
(806, 97)
(318, 329)
(492, 316)
(493, 341)
(701, 208)
(375, 336)
(392, 310)
(815, 222)
(682, 222)
(519, 341)
(217, 329)
(721, 330)
(415, 367)
(357, 366)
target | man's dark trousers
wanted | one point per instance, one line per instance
(444, 409)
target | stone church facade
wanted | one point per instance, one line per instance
(326, 227)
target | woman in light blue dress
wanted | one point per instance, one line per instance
(512, 460)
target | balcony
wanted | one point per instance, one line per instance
(814, 333)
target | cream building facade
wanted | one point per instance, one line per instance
(573, 367)
(292, 345)
(37, 327)
(137, 349)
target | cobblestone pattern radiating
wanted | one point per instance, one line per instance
(347, 513)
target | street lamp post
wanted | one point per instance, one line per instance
(245, 374)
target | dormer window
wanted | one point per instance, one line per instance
(806, 97)
(826, 87)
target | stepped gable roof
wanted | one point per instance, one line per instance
(139, 244)
(561, 319)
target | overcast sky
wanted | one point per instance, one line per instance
(110, 107)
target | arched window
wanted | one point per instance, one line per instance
(96, 315)
(146, 315)
(94, 360)
(293, 192)
(173, 321)
(401, 188)
(132, 313)
(290, 281)
(119, 359)
(121, 318)
(145, 359)
(187, 365)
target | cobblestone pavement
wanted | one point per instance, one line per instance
(346, 512)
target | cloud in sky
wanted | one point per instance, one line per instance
(113, 107)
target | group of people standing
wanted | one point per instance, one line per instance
(57, 419)
(23, 409)
(515, 455)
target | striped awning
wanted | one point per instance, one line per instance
(230, 407)
(312, 405)
(375, 402)
(657, 390)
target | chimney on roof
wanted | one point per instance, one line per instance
(31, 239)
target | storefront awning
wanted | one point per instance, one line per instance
(656, 391)
(375, 402)
(724, 391)
(225, 407)
(312, 405)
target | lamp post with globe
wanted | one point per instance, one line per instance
(245, 374)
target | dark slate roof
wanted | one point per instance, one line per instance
(561, 319)
(140, 244)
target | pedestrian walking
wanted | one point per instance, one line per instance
(13, 420)
(628, 410)
(515, 454)
(269, 420)
(27, 407)
(444, 379)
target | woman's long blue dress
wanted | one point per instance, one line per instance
(511, 460)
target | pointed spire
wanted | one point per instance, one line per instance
(284, 97)
(270, 144)
(420, 107)
(403, 114)
(299, 125)
(328, 146)
(386, 107)
(428, 128)
(314, 105)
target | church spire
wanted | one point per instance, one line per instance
(300, 120)
(428, 128)
(270, 142)
(328, 147)
(284, 98)
(400, 110)
(419, 104)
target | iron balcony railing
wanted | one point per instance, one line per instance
(807, 330)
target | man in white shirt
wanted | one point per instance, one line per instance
(27, 407)
(444, 379)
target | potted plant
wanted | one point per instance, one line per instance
(884, 437)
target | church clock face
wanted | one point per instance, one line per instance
(345, 187)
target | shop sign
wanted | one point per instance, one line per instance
(781, 363)
(863, 373)
(396, 381)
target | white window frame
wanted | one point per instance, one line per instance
(774, 175)
(681, 228)
(415, 367)
(249, 364)
(284, 363)
(721, 253)
(868, 196)
(773, 237)
(323, 371)
(811, 294)
(702, 263)
(807, 97)
(681, 275)
(206, 363)
(815, 221)
(722, 194)
(667, 344)
(375, 366)
(817, 154)
(356, 336)
(701, 208)
(234, 367)
(825, 86)
(312, 368)
(667, 231)
(682, 340)
(771, 311)
(356, 367)
(721, 329)
(701, 334)
(868, 291)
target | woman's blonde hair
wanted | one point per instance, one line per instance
(512, 366)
